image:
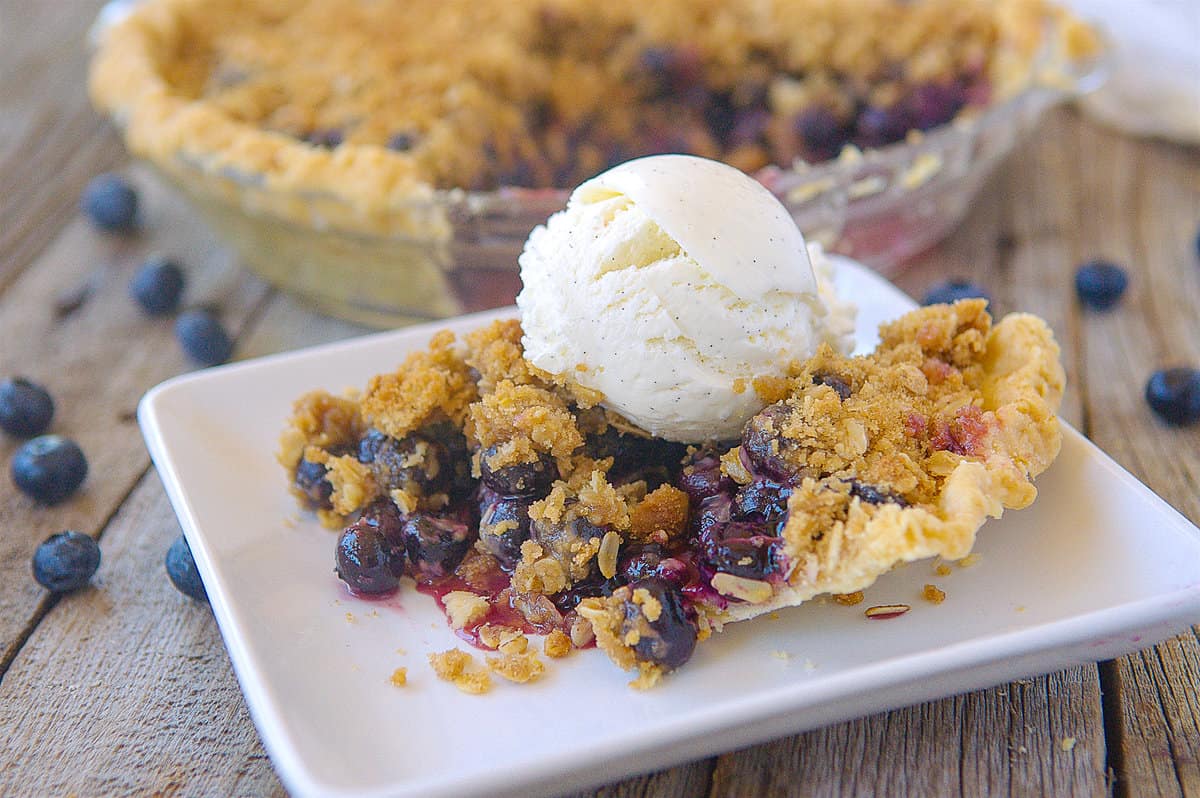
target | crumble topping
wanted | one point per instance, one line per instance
(595, 533)
(382, 102)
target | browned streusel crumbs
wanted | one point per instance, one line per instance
(665, 511)
(319, 419)
(430, 385)
(942, 569)
(522, 421)
(517, 667)
(971, 559)
(399, 677)
(557, 645)
(451, 666)
(849, 599)
(933, 594)
(492, 635)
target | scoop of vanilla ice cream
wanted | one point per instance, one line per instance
(668, 284)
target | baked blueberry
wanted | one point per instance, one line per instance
(311, 480)
(877, 127)
(435, 544)
(367, 560)
(157, 286)
(873, 495)
(949, 291)
(66, 561)
(763, 441)
(503, 526)
(181, 570)
(202, 337)
(49, 468)
(1174, 394)
(755, 557)
(702, 477)
(25, 407)
(111, 203)
(670, 638)
(414, 463)
(839, 385)
(1100, 284)
(823, 133)
(384, 515)
(764, 500)
(518, 479)
(934, 104)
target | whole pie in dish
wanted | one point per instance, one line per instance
(524, 507)
(381, 102)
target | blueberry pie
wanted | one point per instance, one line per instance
(524, 507)
(378, 102)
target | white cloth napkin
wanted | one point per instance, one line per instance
(1154, 88)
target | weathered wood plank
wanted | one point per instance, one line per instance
(97, 362)
(1142, 210)
(125, 687)
(51, 142)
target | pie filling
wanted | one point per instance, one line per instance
(522, 505)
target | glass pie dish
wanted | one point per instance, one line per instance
(440, 252)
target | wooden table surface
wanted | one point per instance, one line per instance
(125, 687)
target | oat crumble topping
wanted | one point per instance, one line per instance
(524, 510)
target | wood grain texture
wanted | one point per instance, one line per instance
(125, 688)
(97, 362)
(51, 143)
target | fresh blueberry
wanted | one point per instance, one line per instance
(367, 560)
(66, 561)
(1100, 284)
(111, 203)
(181, 568)
(949, 291)
(157, 286)
(203, 338)
(49, 468)
(25, 407)
(1174, 394)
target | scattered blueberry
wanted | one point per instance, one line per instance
(1100, 284)
(157, 286)
(181, 568)
(949, 291)
(66, 561)
(435, 544)
(111, 203)
(25, 407)
(518, 479)
(203, 338)
(1174, 394)
(49, 468)
(402, 141)
(823, 133)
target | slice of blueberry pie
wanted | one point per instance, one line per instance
(524, 506)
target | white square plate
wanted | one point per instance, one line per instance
(1098, 566)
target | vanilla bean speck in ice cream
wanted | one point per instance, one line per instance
(668, 284)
